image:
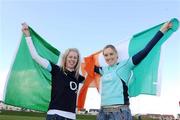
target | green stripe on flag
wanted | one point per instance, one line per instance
(145, 75)
(29, 85)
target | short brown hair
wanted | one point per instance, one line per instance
(110, 46)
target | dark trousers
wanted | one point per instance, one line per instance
(56, 117)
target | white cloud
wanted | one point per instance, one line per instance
(155, 104)
(167, 103)
(92, 99)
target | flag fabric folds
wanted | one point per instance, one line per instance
(28, 84)
(145, 75)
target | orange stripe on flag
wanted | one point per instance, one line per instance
(92, 77)
(83, 69)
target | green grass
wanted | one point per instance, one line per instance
(15, 117)
(12, 115)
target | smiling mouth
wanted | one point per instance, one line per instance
(110, 60)
(71, 63)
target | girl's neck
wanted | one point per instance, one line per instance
(113, 64)
(70, 69)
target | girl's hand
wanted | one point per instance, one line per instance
(25, 29)
(165, 27)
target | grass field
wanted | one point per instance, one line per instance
(11, 115)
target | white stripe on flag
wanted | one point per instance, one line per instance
(123, 51)
(159, 79)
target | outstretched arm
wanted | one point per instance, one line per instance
(137, 58)
(97, 69)
(40, 60)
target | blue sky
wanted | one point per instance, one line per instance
(89, 25)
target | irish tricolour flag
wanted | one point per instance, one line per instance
(28, 85)
(145, 78)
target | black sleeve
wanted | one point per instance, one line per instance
(54, 67)
(81, 79)
(137, 58)
(97, 69)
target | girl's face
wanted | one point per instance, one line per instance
(71, 60)
(110, 56)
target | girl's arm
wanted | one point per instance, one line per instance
(97, 70)
(40, 60)
(137, 58)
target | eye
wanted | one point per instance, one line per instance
(105, 55)
(111, 54)
(69, 56)
(75, 57)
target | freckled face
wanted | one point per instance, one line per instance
(72, 59)
(110, 56)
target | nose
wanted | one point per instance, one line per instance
(108, 57)
(73, 59)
